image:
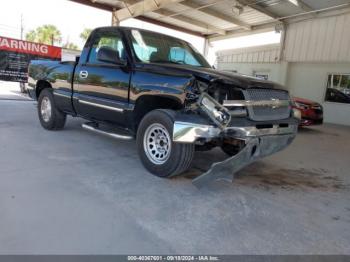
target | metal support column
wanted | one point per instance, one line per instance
(115, 20)
(206, 48)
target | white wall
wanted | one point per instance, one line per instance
(69, 55)
(314, 48)
(324, 39)
(259, 54)
(309, 80)
(261, 59)
(277, 71)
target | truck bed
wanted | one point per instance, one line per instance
(59, 74)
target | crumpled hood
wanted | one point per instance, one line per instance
(213, 75)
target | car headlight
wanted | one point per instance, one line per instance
(301, 105)
(297, 113)
(214, 110)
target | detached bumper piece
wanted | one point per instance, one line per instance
(255, 149)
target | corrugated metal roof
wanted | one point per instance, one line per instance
(249, 15)
(214, 17)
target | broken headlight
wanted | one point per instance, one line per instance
(217, 113)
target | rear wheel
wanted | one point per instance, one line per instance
(50, 117)
(158, 153)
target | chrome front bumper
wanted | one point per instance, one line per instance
(185, 132)
(259, 143)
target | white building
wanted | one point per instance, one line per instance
(69, 54)
(314, 54)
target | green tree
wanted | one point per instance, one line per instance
(70, 45)
(46, 34)
(85, 34)
(31, 36)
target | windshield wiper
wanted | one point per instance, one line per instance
(167, 62)
(176, 63)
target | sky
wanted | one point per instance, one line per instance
(71, 18)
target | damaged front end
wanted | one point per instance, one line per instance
(253, 122)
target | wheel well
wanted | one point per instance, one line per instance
(146, 104)
(40, 86)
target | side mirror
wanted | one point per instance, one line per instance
(109, 55)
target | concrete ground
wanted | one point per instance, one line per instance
(74, 192)
(11, 91)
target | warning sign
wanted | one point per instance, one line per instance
(15, 56)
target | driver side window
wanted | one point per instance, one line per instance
(112, 41)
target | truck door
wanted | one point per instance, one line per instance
(101, 88)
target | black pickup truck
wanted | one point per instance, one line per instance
(131, 83)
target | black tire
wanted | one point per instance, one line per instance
(57, 119)
(230, 150)
(180, 155)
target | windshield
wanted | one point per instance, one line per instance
(156, 48)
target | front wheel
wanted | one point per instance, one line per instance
(158, 153)
(51, 118)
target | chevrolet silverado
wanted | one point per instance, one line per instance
(130, 83)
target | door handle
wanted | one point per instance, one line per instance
(83, 74)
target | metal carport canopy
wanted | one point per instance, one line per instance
(214, 19)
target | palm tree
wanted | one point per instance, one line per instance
(85, 34)
(31, 36)
(46, 34)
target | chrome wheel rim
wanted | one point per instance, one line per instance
(46, 109)
(157, 144)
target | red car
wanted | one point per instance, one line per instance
(311, 112)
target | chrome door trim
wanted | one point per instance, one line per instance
(113, 135)
(120, 110)
(62, 95)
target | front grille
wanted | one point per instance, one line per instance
(265, 113)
